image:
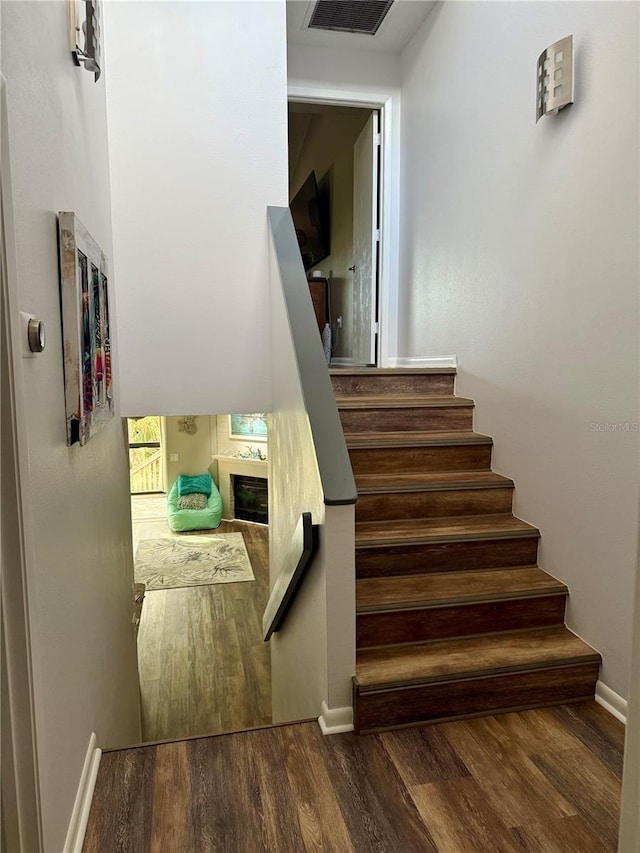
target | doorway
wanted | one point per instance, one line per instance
(201, 572)
(386, 103)
(334, 180)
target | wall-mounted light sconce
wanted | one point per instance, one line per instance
(85, 26)
(555, 78)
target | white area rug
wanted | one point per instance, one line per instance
(192, 561)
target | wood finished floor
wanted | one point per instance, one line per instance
(204, 667)
(544, 781)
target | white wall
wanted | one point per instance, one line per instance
(81, 575)
(313, 655)
(520, 254)
(342, 69)
(197, 131)
(328, 150)
(194, 451)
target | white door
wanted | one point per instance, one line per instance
(365, 225)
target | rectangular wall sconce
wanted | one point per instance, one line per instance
(555, 78)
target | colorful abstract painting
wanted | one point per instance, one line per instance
(86, 331)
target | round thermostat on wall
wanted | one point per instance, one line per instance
(36, 335)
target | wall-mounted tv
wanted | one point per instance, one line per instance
(310, 213)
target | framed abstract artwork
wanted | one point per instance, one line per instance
(248, 426)
(86, 331)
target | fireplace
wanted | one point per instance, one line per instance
(250, 497)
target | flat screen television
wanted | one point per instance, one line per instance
(310, 213)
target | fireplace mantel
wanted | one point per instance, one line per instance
(228, 465)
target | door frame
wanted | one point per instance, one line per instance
(388, 102)
(366, 241)
(21, 811)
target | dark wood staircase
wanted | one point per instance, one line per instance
(454, 617)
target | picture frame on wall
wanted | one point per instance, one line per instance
(86, 331)
(253, 426)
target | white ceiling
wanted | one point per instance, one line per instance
(400, 24)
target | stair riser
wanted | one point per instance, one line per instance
(425, 419)
(487, 617)
(349, 385)
(475, 697)
(446, 557)
(420, 460)
(433, 504)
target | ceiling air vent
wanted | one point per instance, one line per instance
(349, 16)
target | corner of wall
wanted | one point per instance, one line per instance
(333, 721)
(84, 796)
(611, 702)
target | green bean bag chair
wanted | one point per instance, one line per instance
(194, 519)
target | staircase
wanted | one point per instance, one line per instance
(453, 616)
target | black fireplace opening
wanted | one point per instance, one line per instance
(251, 498)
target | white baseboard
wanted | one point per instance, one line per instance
(341, 362)
(611, 702)
(426, 361)
(333, 721)
(80, 814)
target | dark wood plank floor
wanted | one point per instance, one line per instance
(204, 667)
(544, 781)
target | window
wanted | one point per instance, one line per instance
(146, 455)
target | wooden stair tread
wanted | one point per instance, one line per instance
(425, 530)
(453, 616)
(413, 401)
(378, 595)
(414, 439)
(391, 371)
(465, 658)
(432, 481)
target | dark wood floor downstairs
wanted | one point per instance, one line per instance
(544, 781)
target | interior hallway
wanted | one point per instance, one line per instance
(203, 665)
(544, 781)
